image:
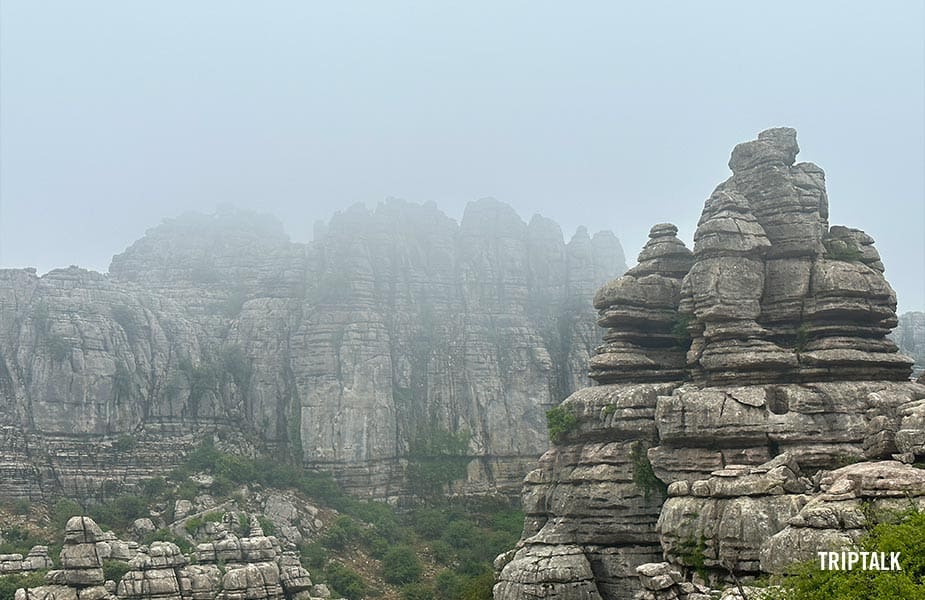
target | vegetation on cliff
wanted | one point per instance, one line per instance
(440, 549)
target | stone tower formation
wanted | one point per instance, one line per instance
(770, 293)
(736, 381)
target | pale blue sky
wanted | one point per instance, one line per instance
(114, 115)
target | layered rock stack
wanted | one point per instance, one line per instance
(81, 572)
(642, 341)
(721, 295)
(229, 568)
(156, 574)
(251, 564)
(37, 559)
(788, 374)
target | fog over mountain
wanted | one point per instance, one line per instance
(116, 116)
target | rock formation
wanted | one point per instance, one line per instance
(737, 382)
(230, 568)
(339, 352)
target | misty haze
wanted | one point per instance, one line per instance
(432, 301)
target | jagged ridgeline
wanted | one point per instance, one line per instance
(752, 410)
(396, 335)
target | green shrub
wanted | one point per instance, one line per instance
(345, 581)
(679, 329)
(115, 569)
(560, 420)
(192, 524)
(907, 536)
(461, 533)
(692, 552)
(313, 555)
(165, 535)
(436, 458)
(401, 565)
(267, 525)
(448, 585)
(10, 583)
(842, 249)
(120, 512)
(124, 443)
(19, 540)
(442, 552)
(63, 510)
(643, 474)
(801, 338)
(344, 531)
(479, 587)
(154, 488)
(428, 522)
(417, 591)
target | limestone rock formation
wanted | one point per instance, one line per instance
(715, 450)
(640, 312)
(231, 568)
(337, 352)
(838, 515)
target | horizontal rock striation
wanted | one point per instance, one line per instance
(738, 380)
(254, 569)
(393, 324)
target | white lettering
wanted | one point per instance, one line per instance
(833, 561)
(874, 561)
(894, 562)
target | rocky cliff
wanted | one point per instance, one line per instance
(738, 380)
(394, 325)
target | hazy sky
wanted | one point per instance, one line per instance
(617, 115)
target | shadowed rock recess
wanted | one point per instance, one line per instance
(737, 381)
(392, 325)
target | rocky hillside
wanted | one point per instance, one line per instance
(751, 410)
(395, 328)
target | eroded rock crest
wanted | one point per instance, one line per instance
(736, 380)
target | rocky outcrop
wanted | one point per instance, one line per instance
(736, 381)
(640, 314)
(849, 500)
(232, 568)
(338, 353)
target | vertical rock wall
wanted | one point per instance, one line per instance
(395, 323)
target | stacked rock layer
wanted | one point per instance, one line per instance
(339, 353)
(735, 378)
(228, 568)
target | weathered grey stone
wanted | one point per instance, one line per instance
(395, 318)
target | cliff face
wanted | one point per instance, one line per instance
(395, 324)
(734, 377)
